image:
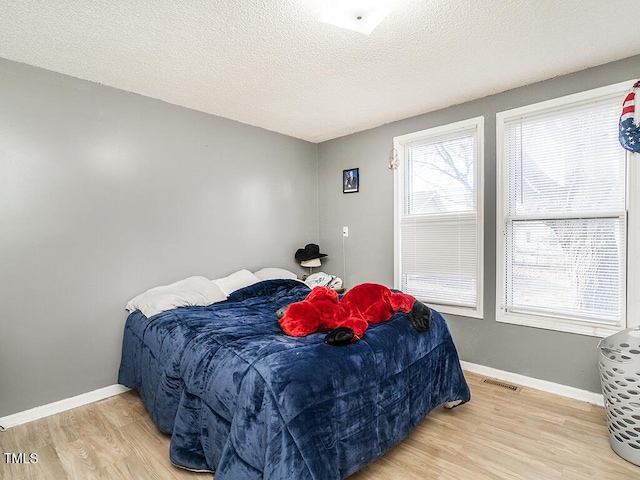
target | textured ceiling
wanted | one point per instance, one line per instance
(270, 63)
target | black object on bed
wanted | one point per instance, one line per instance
(242, 399)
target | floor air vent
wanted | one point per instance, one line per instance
(498, 383)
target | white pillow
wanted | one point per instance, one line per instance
(191, 291)
(235, 281)
(271, 273)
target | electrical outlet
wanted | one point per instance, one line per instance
(345, 231)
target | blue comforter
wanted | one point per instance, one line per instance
(243, 399)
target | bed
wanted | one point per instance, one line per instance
(242, 399)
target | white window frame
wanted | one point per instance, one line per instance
(630, 317)
(399, 143)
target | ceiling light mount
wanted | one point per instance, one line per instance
(356, 15)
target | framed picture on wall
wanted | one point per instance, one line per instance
(350, 180)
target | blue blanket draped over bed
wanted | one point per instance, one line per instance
(245, 400)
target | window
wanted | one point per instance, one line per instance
(562, 214)
(438, 222)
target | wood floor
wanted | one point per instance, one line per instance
(500, 434)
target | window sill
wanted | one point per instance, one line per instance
(453, 310)
(558, 324)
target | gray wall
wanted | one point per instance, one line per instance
(557, 357)
(104, 194)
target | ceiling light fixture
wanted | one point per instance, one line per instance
(358, 15)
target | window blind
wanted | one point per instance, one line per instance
(565, 213)
(439, 258)
(439, 222)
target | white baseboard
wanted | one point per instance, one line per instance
(61, 406)
(106, 392)
(545, 386)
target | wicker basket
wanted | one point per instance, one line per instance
(620, 375)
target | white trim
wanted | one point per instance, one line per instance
(556, 323)
(398, 193)
(633, 240)
(543, 385)
(575, 98)
(61, 405)
(110, 391)
(632, 275)
(452, 129)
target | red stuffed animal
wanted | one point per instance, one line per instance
(349, 318)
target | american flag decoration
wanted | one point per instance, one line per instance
(629, 131)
